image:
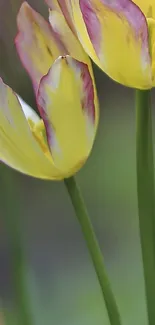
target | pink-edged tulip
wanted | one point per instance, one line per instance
(56, 145)
(119, 36)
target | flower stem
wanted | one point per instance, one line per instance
(18, 266)
(146, 195)
(94, 249)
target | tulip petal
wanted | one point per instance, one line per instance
(65, 35)
(37, 45)
(147, 7)
(63, 7)
(81, 30)
(18, 147)
(29, 113)
(73, 47)
(66, 102)
(115, 35)
(151, 27)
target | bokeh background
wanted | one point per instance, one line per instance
(62, 283)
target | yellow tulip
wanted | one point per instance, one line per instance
(119, 36)
(57, 144)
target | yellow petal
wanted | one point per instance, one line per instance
(66, 36)
(147, 7)
(36, 44)
(63, 7)
(18, 147)
(73, 47)
(82, 32)
(29, 113)
(66, 101)
(115, 35)
(151, 27)
(54, 5)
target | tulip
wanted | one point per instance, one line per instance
(57, 144)
(118, 35)
(39, 43)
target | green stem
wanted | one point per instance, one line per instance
(18, 266)
(146, 196)
(94, 249)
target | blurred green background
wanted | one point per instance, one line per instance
(62, 283)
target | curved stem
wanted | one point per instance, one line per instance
(94, 249)
(146, 195)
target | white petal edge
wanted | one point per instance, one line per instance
(28, 110)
